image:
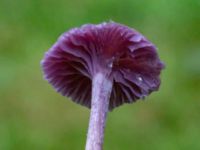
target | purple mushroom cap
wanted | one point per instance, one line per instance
(130, 59)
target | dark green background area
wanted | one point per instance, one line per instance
(34, 117)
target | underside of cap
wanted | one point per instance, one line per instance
(130, 59)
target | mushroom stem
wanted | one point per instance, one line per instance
(101, 90)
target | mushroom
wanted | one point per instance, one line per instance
(102, 67)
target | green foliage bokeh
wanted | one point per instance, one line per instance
(34, 117)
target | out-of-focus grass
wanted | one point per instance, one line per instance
(34, 117)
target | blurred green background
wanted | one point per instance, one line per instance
(34, 117)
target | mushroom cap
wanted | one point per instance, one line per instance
(131, 60)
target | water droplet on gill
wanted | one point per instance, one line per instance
(110, 65)
(140, 79)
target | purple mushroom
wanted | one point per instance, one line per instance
(102, 67)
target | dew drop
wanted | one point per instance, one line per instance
(110, 65)
(140, 79)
